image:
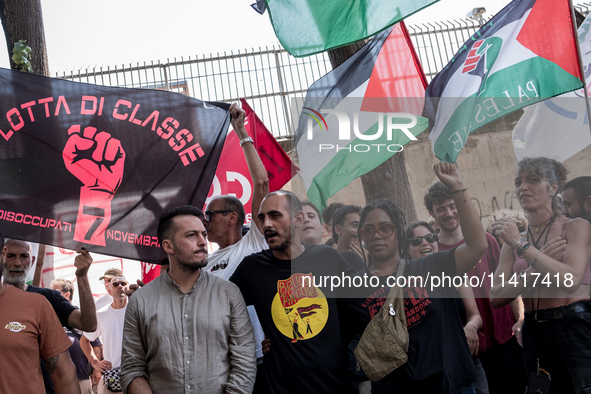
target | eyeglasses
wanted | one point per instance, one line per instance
(116, 284)
(384, 231)
(207, 214)
(431, 238)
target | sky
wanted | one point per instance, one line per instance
(83, 33)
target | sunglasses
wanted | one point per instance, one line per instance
(116, 284)
(431, 238)
(207, 214)
(384, 231)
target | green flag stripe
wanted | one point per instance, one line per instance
(502, 97)
(345, 166)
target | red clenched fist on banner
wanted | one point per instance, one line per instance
(97, 160)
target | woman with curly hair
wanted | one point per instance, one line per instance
(438, 354)
(548, 266)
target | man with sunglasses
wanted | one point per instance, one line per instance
(503, 358)
(110, 321)
(224, 218)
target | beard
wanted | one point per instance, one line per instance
(188, 263)
(281, 244)
(17, 280)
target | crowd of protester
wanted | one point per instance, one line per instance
(255, 316)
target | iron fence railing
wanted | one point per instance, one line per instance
(269, 77)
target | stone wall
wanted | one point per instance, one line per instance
(487, 163)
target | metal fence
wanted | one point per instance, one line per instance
(269, 78)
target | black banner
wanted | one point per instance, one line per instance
(94, 166)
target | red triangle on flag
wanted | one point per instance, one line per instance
(397, 82)
(552, 18)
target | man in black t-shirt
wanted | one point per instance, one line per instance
(301, 319)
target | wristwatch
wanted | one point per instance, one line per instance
(245, 140)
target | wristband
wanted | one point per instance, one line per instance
(522, 247)
(458, 191)
(245, 140)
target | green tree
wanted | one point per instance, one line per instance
(23, 20)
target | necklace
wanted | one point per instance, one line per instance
(547, 227)
(537, 229)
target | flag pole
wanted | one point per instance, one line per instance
(574, 23)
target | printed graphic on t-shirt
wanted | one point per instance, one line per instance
(299, 309)
(416, 300)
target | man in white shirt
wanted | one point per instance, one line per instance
(107, 299)
(224, 219)
(110, 321)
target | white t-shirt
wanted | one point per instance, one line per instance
(103, 301)
(110, 329)
(229, 258)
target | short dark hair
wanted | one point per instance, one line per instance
(396, 216)
(437, 194)
(295, 205)
(65, 285)
(233, 204)
(338, 218)
(329, 211)
(581, 187)
(314, 207)
(411, 227)
(166, 227)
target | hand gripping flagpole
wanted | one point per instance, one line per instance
(575, 29)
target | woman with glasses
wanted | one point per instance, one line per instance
(422, 241)
(548, 266)
(438, 354)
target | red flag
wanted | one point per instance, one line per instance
(232, 176)
(149, 272)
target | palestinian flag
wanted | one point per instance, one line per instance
(524, 54)
(360, 114)
(305, 27)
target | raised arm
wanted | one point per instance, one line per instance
(257, 170)
(242, 347)
(63, 373)
(468, 254)
(85, 317)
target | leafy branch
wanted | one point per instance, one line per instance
(21, 56)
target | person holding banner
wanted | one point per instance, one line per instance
(224, 219)
(553, 282)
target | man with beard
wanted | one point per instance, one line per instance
(503, 358)
(18, 260)
(576, 198)
(311, 229)
(281, 283)
(31, 332)
(187, 330)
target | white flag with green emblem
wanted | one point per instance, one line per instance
(524, 54)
